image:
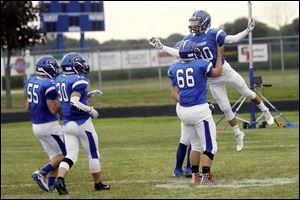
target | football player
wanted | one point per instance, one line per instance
(72, 88)
(43, 105)
(188, 80)
(208, 39)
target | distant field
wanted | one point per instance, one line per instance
(146, 92)
(138, 156)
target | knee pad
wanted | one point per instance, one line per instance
(210, 155)
(66, 163)
(246, 92)
(226, 109)
(94, 165)
(228, 114)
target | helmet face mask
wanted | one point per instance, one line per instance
(199, 22)
(74, 63)
(47, 65)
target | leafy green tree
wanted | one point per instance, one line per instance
(260, 30)
(291, 29)
(17, 33)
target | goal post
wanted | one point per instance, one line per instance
(251, 69)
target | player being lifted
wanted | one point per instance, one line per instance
(189, 79)
(43, 106)
(77, 127)
(208, 39)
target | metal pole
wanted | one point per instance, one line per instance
(82, 43)
(99, 69)
(282, 61)
(2, 79)
(270, 57)
(59, 40)
(251, 70)
(159, 71)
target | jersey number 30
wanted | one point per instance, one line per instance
(62, 93)
(185, 77)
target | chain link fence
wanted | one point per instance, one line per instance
(115, 63)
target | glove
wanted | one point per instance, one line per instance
(251, 25)
(93, 112)
(94, 93)
(211, 107)
(156, 43)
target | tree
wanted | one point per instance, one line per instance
(17, 33)
(260, 30)
(291, 29)
(280, 14)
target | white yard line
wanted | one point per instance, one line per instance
(186, 183)
(24, 150)
(232, 184)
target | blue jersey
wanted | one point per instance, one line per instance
(65, 86)
(207, 42)
(38, 91)
(190, 79)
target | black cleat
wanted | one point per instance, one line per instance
(101, 186)
(60, 186)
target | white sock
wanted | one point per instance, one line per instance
(236, 130)
(262, 106)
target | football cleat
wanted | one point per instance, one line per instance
(101, 186)
(240, 141)
(177, 173)
(40, 180)
(207, 179)
(268, 117)
(187, 173)
(60, 186)
(196, 178)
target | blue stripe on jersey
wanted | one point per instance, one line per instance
(92, 145)
(207, 137)
(60, 143)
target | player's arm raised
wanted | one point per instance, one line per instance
(157, 44)
(218, 68)
(238, 37)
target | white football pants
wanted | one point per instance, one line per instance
(85, 135)
(51, 137)
(199, 127)
(218, 90)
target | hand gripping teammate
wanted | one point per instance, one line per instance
(189, 79)
(208, 39)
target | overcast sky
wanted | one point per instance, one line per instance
(142, 20)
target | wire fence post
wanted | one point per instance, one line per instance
(282, 61)
(159, 71)
(99, 70)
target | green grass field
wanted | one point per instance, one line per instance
(138, 157)
(146, 92)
